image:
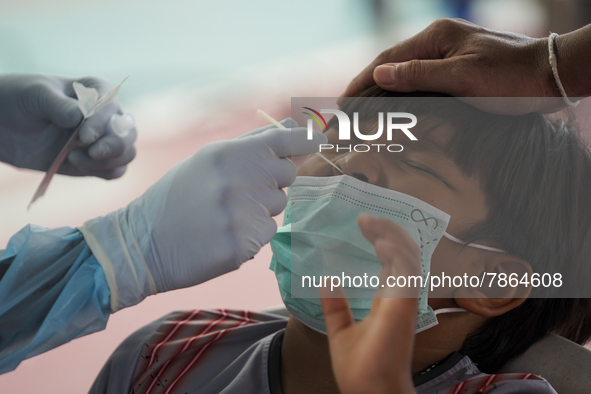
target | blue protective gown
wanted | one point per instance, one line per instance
(52, 290)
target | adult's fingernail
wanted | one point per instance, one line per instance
(321, 137)
(122, 124)
(385, 74)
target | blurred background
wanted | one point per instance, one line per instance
(198, 71)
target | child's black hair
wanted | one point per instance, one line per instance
(536, 177)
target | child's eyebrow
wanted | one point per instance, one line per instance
(433, 139)
(427, 145)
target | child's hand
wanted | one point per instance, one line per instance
(374, 355)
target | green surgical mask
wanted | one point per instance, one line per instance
(320, 236)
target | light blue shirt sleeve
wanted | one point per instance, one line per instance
(52, 290)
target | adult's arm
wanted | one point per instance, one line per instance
(52, 290)
(460, 58)
(204, 218)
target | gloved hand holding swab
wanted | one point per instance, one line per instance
(264, 115)
(89, 103)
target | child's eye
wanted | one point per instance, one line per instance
(426, 170)
(414, 165)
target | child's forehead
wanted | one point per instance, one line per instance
(433, 136)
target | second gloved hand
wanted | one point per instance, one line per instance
(39, 113)
(205, 217)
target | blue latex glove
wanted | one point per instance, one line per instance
(38, 113)
(205, 217)
(52, 290)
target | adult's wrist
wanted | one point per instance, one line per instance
(542, 70)
(572, 64)
(120, 253)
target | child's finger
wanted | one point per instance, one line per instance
(366, 224)
(337, 314)
(398, 259)
(374, 228)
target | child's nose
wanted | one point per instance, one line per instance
(361, 166)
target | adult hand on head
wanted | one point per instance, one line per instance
(462, 59)
(38, 114)
(205, 217)
(374, 355)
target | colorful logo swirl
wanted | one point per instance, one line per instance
(316, 117)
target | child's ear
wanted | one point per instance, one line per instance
(506, 285)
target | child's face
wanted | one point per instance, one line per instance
(421, 170)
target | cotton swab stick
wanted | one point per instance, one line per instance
(269, 119)
(329, 162)
(262, 114)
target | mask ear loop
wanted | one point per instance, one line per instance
(448, 310)
(477, 246)
(436, 322)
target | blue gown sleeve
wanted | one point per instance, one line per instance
(52, 290)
